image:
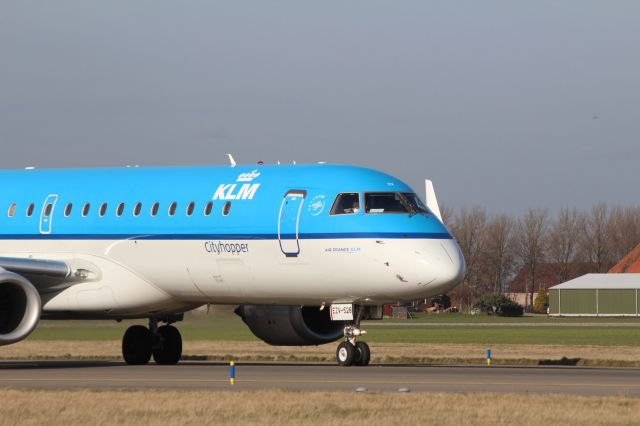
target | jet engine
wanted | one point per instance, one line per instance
(283, 325)
(20, 307)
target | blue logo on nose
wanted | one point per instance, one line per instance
(316, 205)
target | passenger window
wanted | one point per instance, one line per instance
(226, 208)
(190, 208)
(208, 208)
(30, 210)
(48, 209)
(136, 209)
(85, 209)
(347, 203)
(12, 210)
(103, 209)
(154, 209)
(172, 208)
(120, 209)
(68, 209)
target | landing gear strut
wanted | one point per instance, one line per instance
(140, 343)
(351, 352)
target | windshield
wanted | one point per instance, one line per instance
(347, 203)
(416, 202)
(393, 202)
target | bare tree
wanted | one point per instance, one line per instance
(500, 250)
(562, 242)
(447, 214)
(494, 246)
(595, 239)
(531, 243)
(624, 231)
(469, 229)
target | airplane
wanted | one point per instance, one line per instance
(305, 251)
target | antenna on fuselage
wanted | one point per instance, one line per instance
(231, 160)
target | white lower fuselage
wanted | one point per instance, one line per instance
(139, 277)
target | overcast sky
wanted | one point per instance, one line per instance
(504, 104)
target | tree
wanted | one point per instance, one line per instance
(562, 246)
(623, 228)
(469, 229)
(442, 300)
(497, 304)
(499, 253)
(595, 237)
(542, 302)
(447, 214)
(494, 246)
(531, 234)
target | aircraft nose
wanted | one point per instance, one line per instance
(443, 267)
(452, 272)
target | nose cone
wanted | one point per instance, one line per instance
(452, 272)
(441, 268)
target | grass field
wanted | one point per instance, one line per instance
(419, 317)
(228, 327)
(223, 336)
(25, 407)
(418, 353)
(485, 336)
(606, 336)
(195, 327)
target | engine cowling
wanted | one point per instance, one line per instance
(20, 307)
(284, 325)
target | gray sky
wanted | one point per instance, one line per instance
(504, 104)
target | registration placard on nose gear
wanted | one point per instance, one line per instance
(341, 312)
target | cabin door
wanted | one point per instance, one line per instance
(289, 222)
(46, 215)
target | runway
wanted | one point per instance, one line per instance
(319, 377)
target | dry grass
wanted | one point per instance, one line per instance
(381, 352)
(287, 407)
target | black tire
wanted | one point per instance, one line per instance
(345, 354)
(365, 353)
(136, 345)
(168, 348)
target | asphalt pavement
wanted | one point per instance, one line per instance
(320, 377)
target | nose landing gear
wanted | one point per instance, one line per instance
(351, 352)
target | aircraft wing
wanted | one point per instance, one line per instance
(45, 275)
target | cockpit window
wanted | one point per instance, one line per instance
(347, 203)
(393, 202)
(416, 202)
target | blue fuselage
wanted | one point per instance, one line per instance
(294, 234)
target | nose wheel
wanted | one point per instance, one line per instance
(351, 352)
(365, 353)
